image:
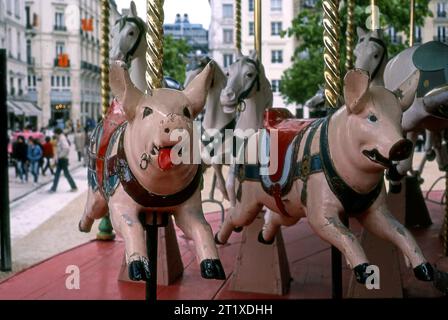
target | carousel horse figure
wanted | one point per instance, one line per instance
(327, 168)
(249, 92)
(133, 172)
(419, 77)
(129, 45)
(215, 121)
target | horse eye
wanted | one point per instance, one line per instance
(227, 74)
(376, 56)
(131, 33)
(147, 112)
(372, 118)
(250, 75)
(187, 112)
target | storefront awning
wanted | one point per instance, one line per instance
(23, 108)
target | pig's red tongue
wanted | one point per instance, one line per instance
(165, 159)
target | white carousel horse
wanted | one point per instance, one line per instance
(249, 92)
(128, 44)
(215, 121)
(424, 108)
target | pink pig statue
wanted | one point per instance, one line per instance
(131, 172)
(330, 168)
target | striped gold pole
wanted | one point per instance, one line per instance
(154, 39)
(332, 73)
(350, 35)
(238, 24)
(412, 24)
(106, 232)
(258, 35)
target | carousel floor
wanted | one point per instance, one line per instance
(308, 255)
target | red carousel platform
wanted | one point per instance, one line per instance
(308, 256)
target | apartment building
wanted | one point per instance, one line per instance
(193, 33)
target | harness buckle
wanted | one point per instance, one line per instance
(306, 167)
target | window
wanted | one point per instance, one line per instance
(275, 85)
(59, 23)
(393, 35)
(309, 3)
(63, 81)
(251, 5)
(29, 56)
(441, 10)
(251, 28)
(19, 84)
(52, 81)
(28, 17)
(418, 34)
(276, 27)
(17, 9)
(227, 11)
(276, 5)
(11, 88)
(441, 33)
(228, 36)
(19, 45)
(277, 56)
(68, 81)
(60, 48)
(228, 60)
(9, 6)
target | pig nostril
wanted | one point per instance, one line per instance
(401, 150)
(167, 130)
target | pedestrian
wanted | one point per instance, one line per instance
(48, 155)
(62, 152)
(34, 157)
(20, 155)
(80, 141)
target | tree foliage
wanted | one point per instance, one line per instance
(302, 80)
(175, 54)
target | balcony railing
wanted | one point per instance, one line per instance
(441, 38)
(441, 14)
(59, 28)
(90, 67)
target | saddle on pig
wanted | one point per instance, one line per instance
(328, 168)
(132, 174)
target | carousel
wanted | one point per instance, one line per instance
(329, 208)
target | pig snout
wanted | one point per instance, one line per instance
(401, 150)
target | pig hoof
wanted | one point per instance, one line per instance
(441, 281)
(212, 269)
(395, 188)
(139, 270)
(238, 229)
(360, 273)
(424, 272)
(217, 240)
(261, 239)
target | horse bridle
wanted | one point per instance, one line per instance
(384, 56)
(256, 81)
(141, 28)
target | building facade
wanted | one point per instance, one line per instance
(277, 51)
(63, 51)
(435, 27)
(195, 35)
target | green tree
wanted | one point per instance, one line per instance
(175, 54)
(302, 80)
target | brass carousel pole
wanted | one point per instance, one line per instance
(412, 24)
(333, 89)
(258, 36)
(154, 80)
(331, 37)
(238, 24)
(105, 228)
(350, 35)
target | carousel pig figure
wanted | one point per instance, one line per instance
(327, 169)
(132, 172)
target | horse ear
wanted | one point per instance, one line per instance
(356, 85)
(254, 55)
(360, 31)
(133, 9)
(378, 33)
(123, 88)
(197, 90)
(239, 54)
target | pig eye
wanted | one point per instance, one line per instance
(187, 112)
(147, 112)
(372, 118)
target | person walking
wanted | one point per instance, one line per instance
(20, 155)
(48, 155)
(34, 157)
(80, 141)
(62, 152)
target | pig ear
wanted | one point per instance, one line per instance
(197, 90)
(123, 88)
(356, 84)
